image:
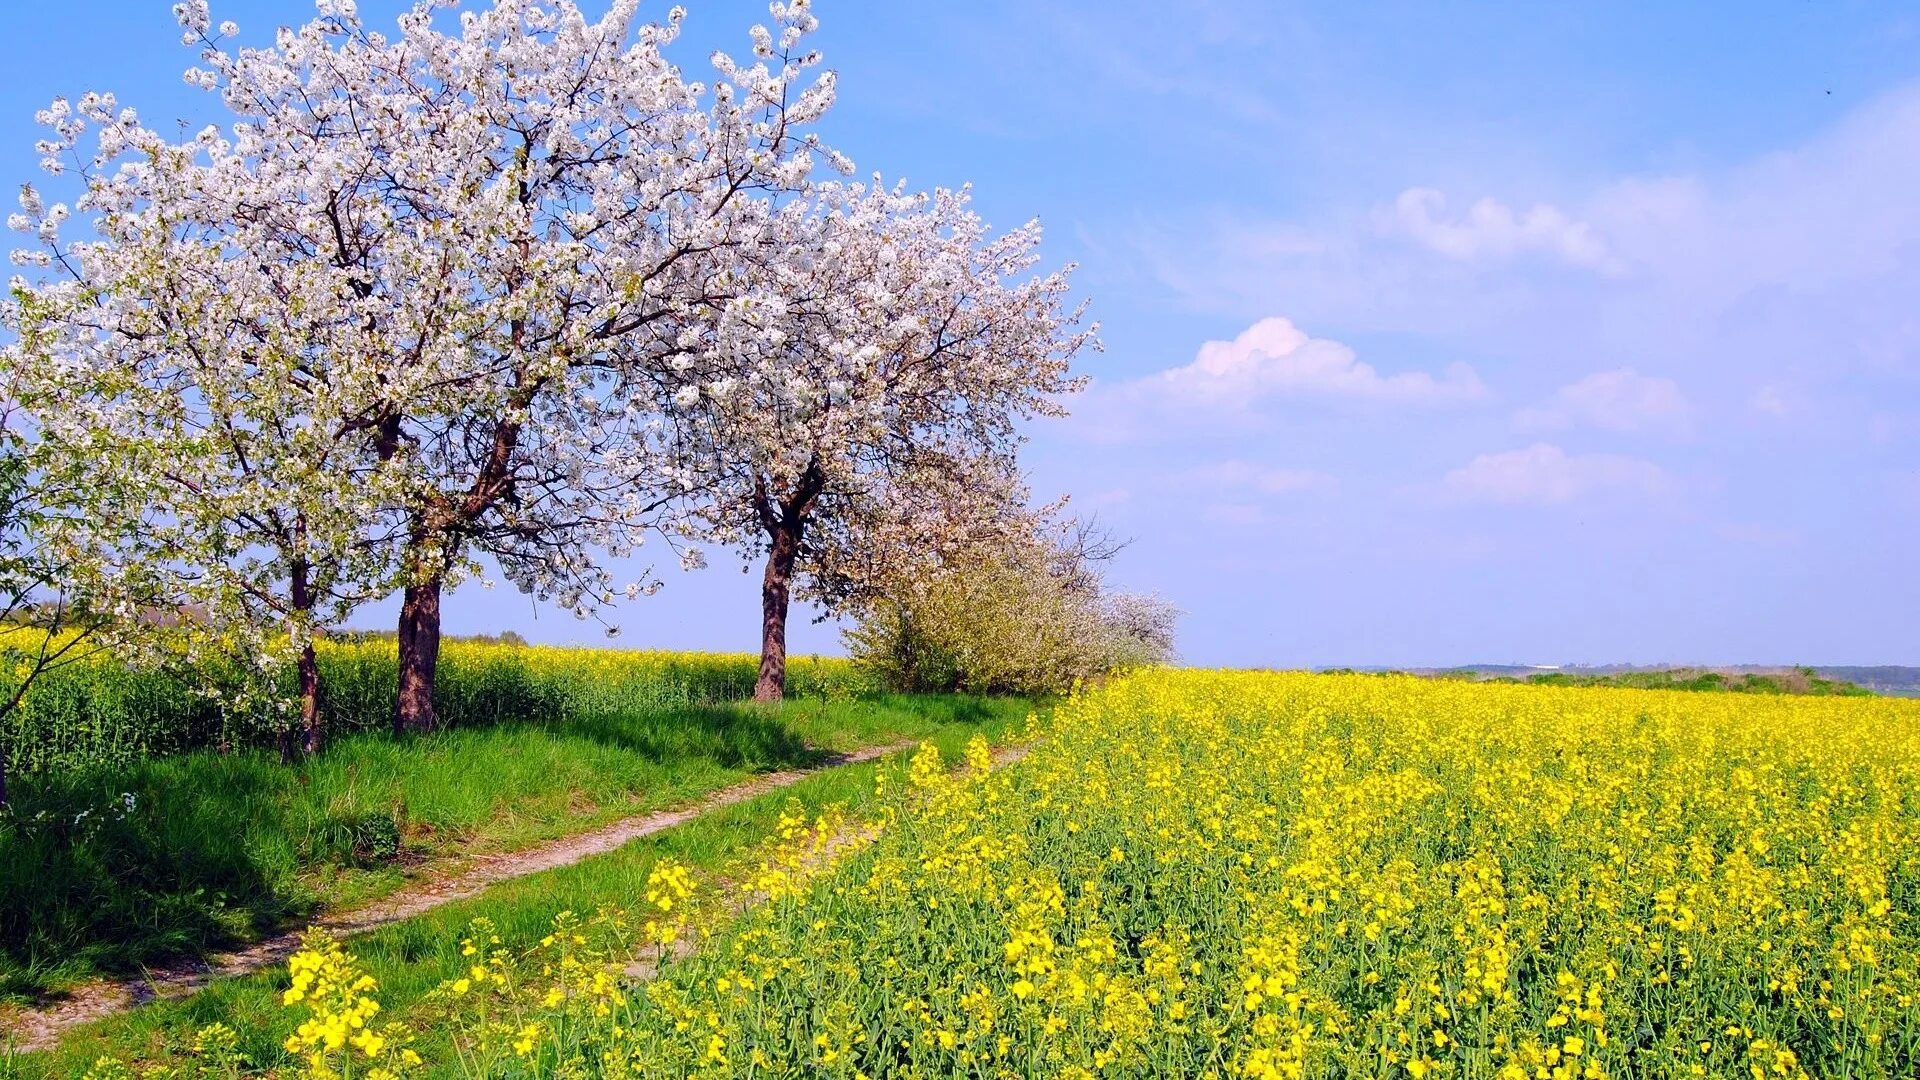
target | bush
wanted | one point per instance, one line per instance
(1025, 621)
(367, 839)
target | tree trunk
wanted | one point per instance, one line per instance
(308, 737)
(775, 596)
(909, 653)
(313, 732)
(785, 522)
(3, 777)
(419, 639)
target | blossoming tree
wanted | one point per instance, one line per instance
(447, 267)
(46, 621)
(862, 397)
(203, 394)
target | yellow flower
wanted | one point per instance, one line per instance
(527, 1039)
(1302, 874)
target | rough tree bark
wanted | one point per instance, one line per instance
(785, 522)
(313, 733)
(775, 598)
(437, 533)
(419, 642)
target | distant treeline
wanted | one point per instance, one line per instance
(1881, 679)
(1803, 680)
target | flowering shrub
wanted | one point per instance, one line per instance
(1023, 619)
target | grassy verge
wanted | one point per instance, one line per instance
(110, 870)
(104, 714)
(411, 958)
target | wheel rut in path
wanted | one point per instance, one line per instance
(39, 1028)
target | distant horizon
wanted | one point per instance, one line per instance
(822, 639)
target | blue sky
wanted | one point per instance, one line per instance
(1435, 334)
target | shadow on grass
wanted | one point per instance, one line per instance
(965, 709)
(106, 873)
(113, 870)
(748, 737)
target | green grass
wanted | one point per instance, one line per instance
(213, 850)
(104, 714)
(412, 957)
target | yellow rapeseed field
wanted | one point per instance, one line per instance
(1283, 875)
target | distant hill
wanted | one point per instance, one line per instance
(1739, 678)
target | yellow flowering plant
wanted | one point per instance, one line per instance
(1276, 876)
(1286, 875)
(338, 1038)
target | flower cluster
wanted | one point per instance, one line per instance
(547, 1010)
(1325, 876)
(329, 984)
(325, 979)
(669, 885)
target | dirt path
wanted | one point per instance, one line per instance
(37, 1029)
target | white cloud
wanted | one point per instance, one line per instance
(1618, 400)
(1273, 357)
(1245, 476)
(1229, 385)
(1836, 210)
(1492, 231)
(1738, 272)
(1544, 474)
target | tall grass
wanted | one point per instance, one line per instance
(111, 870)
(104, 714)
